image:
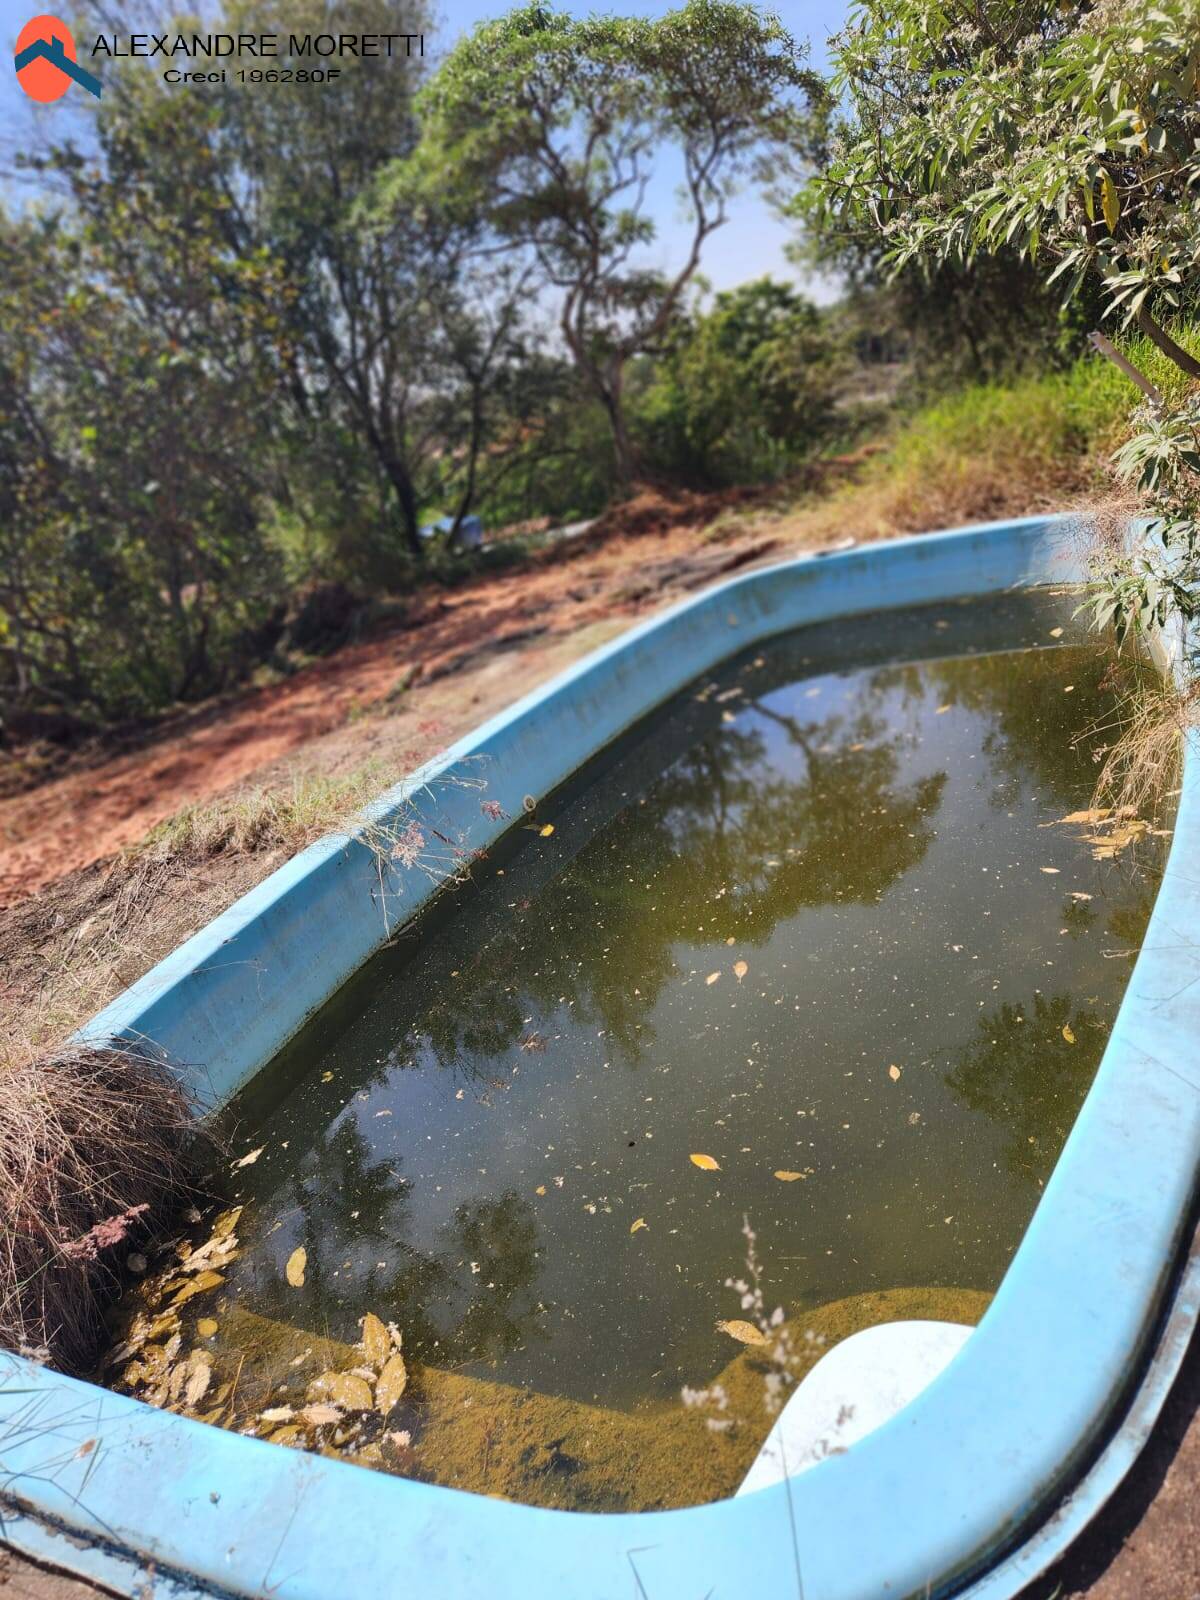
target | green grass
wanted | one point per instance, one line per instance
(998, 449)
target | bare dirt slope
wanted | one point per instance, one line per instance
(415, 688)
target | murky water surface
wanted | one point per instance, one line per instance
(817, 916)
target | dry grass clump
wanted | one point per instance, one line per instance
(94, 1144)
(1141, 767)
(253, 821)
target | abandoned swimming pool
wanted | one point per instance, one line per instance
(931, 1498)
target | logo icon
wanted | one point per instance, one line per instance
(45, 61)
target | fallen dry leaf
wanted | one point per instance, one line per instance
(547, 830)
(199, 1284)
(1051, 871)
(1067, 1034)
(640, 1223)
(894, 1073)
(316, 1416)
(392, 1383)
(705, 1163)
(199, 1378)
(740, 969)
(941, 711)
(712, 977)
(249, 1160)
(277, 1414)
(296, 1264)
(743, 1332)
(789, 1177)
(541, 1189)
(342, 1389)
(206, 1327)
(375, 1341)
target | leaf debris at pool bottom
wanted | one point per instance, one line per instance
(470, 1432)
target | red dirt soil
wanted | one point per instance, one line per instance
(102, 804)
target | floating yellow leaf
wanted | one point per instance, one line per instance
(547, 830)
(296, 1264)
(705, 1163)
(740, 969)
(375, 1341)
(1056, 633)
(327, 1077)
(541, 1189)
(894, 1073)
(712, 977)
(392, 1382)
(941, 711)
(250, 1159)
(790, 1177)
(1050, 871)
(640, 1223)
(743, 1332)
(277, 1414)
(206, 1327)
(1067, 1034)
(1096, 814)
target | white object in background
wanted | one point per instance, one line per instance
(863, 1381)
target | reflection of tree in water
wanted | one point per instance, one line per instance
(472, 1299)
(1040, 737)
(724, 836)
(345, 1202)
(1026, 1075)
(498, 1241)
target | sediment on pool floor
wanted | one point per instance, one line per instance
(183, 1346)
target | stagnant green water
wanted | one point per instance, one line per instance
(865, 815)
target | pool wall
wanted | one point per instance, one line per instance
(950, 1490)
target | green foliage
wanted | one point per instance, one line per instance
(136, 364)
(742, 392)
(555, 125)
(1070, 133)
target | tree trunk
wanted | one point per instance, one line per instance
(624, 456)
(1174, 352)
(406, 495)
(467, 498)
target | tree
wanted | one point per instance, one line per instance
(136, 374)
(742, 391)
(1069, 131)
(557, 126)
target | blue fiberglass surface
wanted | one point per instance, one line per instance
(919, 1506)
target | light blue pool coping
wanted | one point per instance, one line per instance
(945, 1498)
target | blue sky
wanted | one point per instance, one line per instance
(752, 242)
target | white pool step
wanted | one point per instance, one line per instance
(863, 1381)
